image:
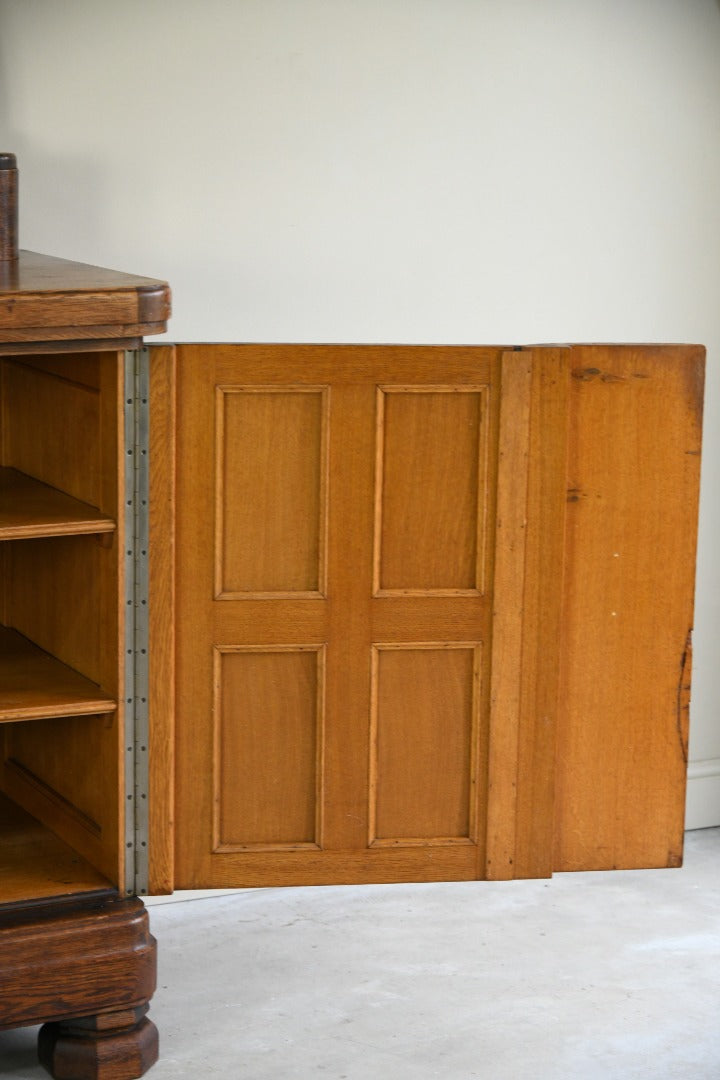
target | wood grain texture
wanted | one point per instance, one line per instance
(120, 1045)
(35, 863)
(349, 620)
(430, 489)
(43, 298)
(542, 613)
(268, 712)
(589, 486)
(51, 428)
(76, 366)
(51, 769)
(508, 596)
(66, 953)
(34, 347)
(272, 452)
(98, 957)
(161, 705)
(29, 508)
(633, 474)
(8, 209)
(61, 765)
(56, 568)
(34, 685)
(85, 462)
(111, 613)
(425, 696)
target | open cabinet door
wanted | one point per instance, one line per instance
(432, 610)
(367, 651)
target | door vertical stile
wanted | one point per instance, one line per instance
(542, 612)
(508, 597)
(162, 628)
(347, 747)
(193, 621)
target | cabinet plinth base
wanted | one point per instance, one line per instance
(86, 970)
(110, 1046)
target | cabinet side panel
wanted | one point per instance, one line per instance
(53, 597)
(52, 429)
(80, 367)
(633, 472)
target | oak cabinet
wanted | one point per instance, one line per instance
(298, 614)
(75, 949)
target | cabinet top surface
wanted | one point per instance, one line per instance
(46, 298)
(36, 273)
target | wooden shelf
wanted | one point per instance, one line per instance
(29, 509)
(34, 685)
(35, 863)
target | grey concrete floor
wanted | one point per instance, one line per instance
(586, 976)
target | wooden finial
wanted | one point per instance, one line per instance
(8, 208)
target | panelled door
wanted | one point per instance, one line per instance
(360, 533)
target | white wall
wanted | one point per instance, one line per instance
(393, 170)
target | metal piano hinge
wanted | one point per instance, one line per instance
(137, 515)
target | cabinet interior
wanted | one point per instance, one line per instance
(61, 541)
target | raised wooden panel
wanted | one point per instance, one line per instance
(431, 489)
(51, 430)
(424, 728)
(271, 491)
(269, 705)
